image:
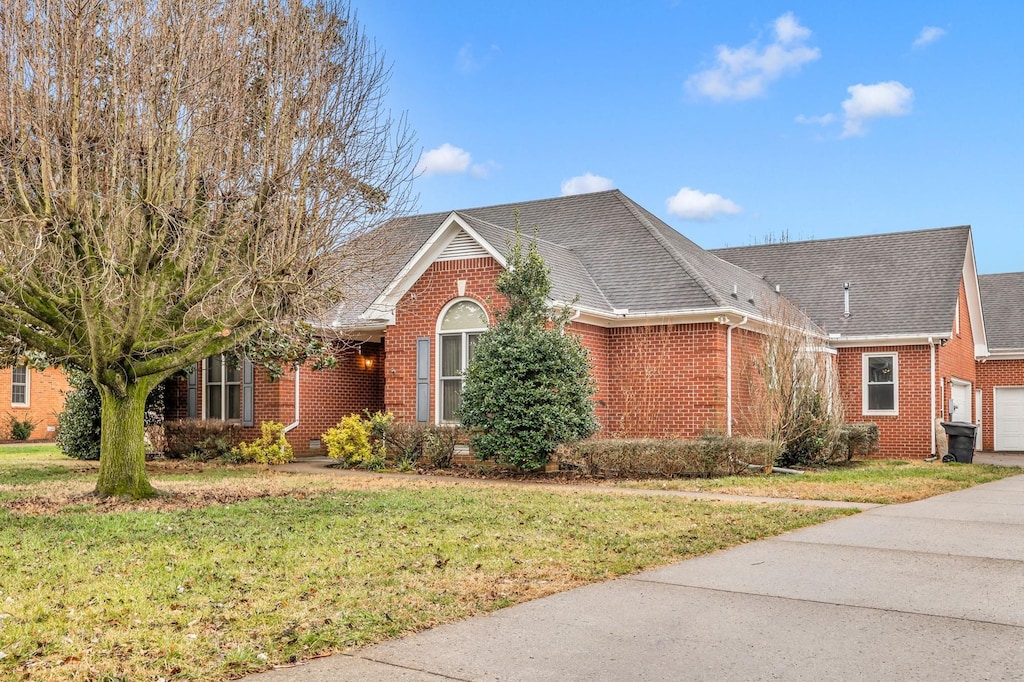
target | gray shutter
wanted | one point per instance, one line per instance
(248, 404)
(193, 390)
(423, 380)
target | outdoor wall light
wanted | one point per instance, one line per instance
(368, 363)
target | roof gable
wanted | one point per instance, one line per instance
(1002, 296)
(452, 236)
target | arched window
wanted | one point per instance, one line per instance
(458, 329)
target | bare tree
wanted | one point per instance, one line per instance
(794, 392)
(177, 175)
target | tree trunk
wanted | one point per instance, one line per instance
(122, 443)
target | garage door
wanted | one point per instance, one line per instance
(1009, 418)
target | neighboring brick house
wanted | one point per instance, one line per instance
(671, 328)
(32, 395)
(1001, 374)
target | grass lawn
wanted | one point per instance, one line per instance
(879, 481)
(243, 569)
(31, 453)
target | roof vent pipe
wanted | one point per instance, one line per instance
(846, 299)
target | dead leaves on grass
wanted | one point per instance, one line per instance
(56, 497)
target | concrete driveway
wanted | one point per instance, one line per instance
(931, 590)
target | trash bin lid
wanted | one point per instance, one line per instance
(959, 428)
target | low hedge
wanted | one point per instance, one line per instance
(666, 458)
(859, 440)
(199, 439)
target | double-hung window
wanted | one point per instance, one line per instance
(222, 392)
(881, 383)
(460, 326)
(19, 386)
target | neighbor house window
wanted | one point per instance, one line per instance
(881, 383)
(222, 390)
(19, 386)
(458, 330)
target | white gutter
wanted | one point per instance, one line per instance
(931, 419)
(843, 341)
(728, 373)
(296, 422)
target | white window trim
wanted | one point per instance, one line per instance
(223, 392)
(895, 385)
(28, 389)
(465, 350)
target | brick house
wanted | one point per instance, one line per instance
(32, 395)
(671, 328)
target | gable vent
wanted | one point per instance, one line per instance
(462, 247)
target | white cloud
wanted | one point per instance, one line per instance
(928, 35)
(444, 160)
(586, 183)
(890, 98)
(822, 120)
(469, 59)
(484, 170)
(744, 72)
(692, 204)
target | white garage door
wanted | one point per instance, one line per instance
(1009, 418)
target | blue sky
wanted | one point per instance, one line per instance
(729, 120)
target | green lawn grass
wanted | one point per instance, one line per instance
(31, 453)
(878, 481)
(307, 564)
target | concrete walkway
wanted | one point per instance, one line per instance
(931, 590)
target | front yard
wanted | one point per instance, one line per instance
(250, 568)
(244, 568)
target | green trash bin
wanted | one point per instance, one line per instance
(961, 441)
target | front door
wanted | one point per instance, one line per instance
(960, 402)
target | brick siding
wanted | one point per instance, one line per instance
(993, 374)
(46, 391)
(325, 396)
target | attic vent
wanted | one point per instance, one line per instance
(462, 247)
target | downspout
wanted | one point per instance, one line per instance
(931, 419)
(296, 422)
(728, 374)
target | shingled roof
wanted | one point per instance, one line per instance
(1001, 297)
(602, 247)
(901, 284)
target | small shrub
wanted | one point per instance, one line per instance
(201, 440)
(665, 458)
(21, 429)
(814, 436)
(439, 445)
(859, 440)
(349, 444)
(405, 444)
(270, 448)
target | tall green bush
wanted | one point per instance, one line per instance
(528, 387)
(78, 426)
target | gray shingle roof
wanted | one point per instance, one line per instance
(904, 283)
(603, 247)
(1002, 298)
